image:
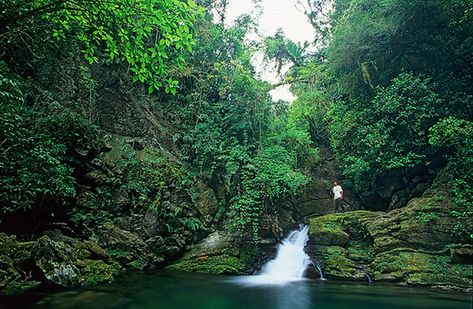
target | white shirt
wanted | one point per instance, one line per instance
(337, 192)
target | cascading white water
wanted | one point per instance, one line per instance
(291, 259)
(290, 263)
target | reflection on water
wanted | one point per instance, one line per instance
(295, 296)
(175, 290)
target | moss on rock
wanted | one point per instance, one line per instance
(13, 282)
(336, 262)
(13, 256)
(327, 230)
(62, 260)
(95, 271)
(217, 254)
(222, 264)
(419, 268)
(414, 245)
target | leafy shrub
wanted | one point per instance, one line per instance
(455, 137)
(31, 161)
(389, 132)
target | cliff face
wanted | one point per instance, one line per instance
(137, 208)
(417, 244)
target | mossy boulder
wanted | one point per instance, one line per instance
(334, 229)
(336, 263)
(57, 260)
(12, 281)
(95, 271)
(127, 248)
(14, 255)
(220, 264)
(217, 254)
(328, 231)
(53, 258)
(69, 262)
(421, 268)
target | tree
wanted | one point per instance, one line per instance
(389, 132)
(375, 41)
(151, 36)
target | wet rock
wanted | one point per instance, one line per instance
(56, 260)
(13, 281)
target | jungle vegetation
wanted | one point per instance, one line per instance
(387, 86)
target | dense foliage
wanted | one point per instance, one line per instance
(386, 77)
(232, 134)
(35, 144)
(152, 37)
(389, 133)
(391, 89)
(228, 133)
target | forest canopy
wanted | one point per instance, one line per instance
(151, 37)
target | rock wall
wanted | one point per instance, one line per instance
(137, 208)
(317, 198)
(414, 245)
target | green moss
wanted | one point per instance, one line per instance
(336, 262)
(360, 254)
(12, 283)
(222, 264)
(19, 252)
(116, 268)
(13, 256)
(120, 150)
(420, 268)
(136, 265)
(95, 271)
(95, 249)
(386, 242)
(337, 229)
(327, 230)
(122, 256)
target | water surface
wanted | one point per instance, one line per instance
(180, 290)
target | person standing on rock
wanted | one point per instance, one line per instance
(337, 197)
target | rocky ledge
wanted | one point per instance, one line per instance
(415, 245)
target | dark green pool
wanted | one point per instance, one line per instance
(177, 290)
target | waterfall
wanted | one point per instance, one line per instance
(319, 269)
(290, 263)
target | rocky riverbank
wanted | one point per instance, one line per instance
(415, 245)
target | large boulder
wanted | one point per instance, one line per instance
(55, 259)
(217, 254)
(69, 262)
